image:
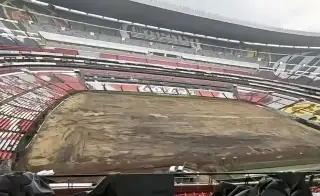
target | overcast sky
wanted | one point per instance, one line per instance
(301, 15)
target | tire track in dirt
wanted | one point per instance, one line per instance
(97, 132)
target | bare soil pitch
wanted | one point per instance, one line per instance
(95, 132)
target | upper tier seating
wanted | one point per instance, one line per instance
(295, 68)
(80, 26)
(295, 75)
(309, 80)
(129, 33)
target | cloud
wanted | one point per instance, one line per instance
(292, 14)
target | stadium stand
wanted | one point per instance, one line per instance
(24, 98)
(37, 72)
(29, 92)
(17, 112)
(300, 75)
(237, 73)
(132, 34)
(268, 99)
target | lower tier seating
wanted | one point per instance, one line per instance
(8, 144)
(267, 99)
(27, 94)
(18, 112)
(8, 123)
(24, 96)
(71, 80)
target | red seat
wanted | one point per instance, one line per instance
(129, 87)
(108, 56)
(206, 93)
(66, 51)
(116, 87)
(5, 155)
(133, 59)
(71, 81)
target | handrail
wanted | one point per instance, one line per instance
(177, 174)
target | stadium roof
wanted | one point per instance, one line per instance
(150, 15)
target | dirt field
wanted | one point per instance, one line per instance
(94, 132)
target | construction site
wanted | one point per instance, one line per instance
(95, 132)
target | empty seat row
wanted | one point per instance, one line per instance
(156, 36)
(45, 86)
(106, 86)
(204, 67)
(214, 93)
(17, 82)
(8, 123)
(46, 78)
(4, 95)
(268, 99)
(36, 98)
(58, 89)
(10, 89)
(165, 90)
(28, 103)
(11, 85)
(254, 97)
(5, 155)
(9, 141)
(18, 112)
(61, 81)
(71, 80)
(171, 79)
(48, 92)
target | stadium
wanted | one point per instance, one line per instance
(87, 94)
